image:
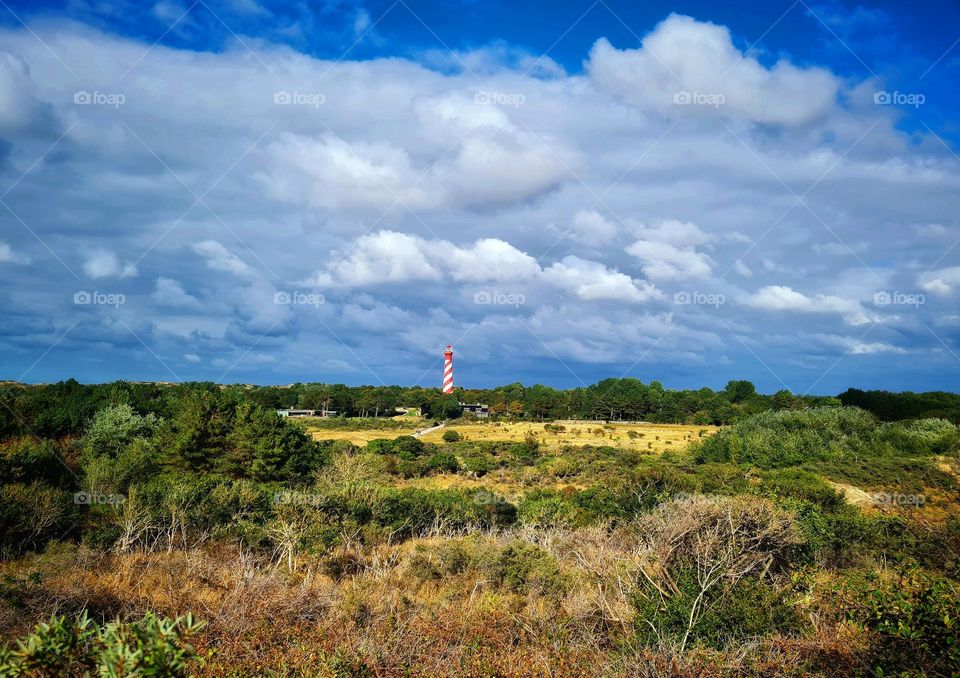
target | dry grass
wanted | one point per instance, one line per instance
(653, 438)
(380, 615)
(360, 438)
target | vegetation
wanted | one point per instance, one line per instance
(811, 539)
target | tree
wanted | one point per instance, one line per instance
(739, 390)
(515, 408)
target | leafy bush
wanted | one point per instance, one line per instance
(916, 619)
(153, 646)
(778, 439)
(444, 462)
(451, 436)
(479, 464)
(803, 485)
(522, 567)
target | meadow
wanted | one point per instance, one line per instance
(807, 541)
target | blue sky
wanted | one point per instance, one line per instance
(277, 192)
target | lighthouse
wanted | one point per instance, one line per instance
(448, 369)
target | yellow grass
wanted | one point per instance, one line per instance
(653, 438)
(360, 438)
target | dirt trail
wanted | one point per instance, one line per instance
(854, 494)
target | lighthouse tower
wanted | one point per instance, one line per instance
(448, 369)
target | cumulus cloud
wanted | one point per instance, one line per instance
(683, 56)
(170, 293)
(943, 281)
(104, 263)
(486, 162)
(8, 256)
(219, 258)
(786, 299)
(592, 281)
(387, 256)
(667, 251)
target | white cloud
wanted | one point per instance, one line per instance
(667, 251)
(943, 281)
(8, 256)
(686, 55)
(785, 298)
(663, 261)
(385, 256)
(591, 228)
(104, 263)
(219, 258)
(592, 281)
(170, 293)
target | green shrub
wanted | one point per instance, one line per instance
(479, 464)
(153, 646)
(803, 485)
(521, 567)
(525, 453)
(782, 438)
(916, 619)
(443, 462)
(748, 609)
(451, 436)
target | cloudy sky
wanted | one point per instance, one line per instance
(331, 191)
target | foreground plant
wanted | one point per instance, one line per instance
(153, 646)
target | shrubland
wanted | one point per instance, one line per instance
(804, 541)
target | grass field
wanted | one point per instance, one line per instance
(642, 437)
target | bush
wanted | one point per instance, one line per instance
(525, 453)
(916, 619)
(782, 438)
(451, 436)
(152, 646)
(479, 464)
(802, 485)
(522, 567)
(444, 462)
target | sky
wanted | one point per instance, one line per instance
(691, 192)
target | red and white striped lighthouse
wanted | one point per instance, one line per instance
(448, 369)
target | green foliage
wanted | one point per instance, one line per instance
(451, 436)
(31, 514)
(800, 484)
(523, 567)
(747, 609)
(916, 619)
(525, 453)
(836, 435)
(113, 428)
(153, 646)
(479, 464)
(443, 462)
